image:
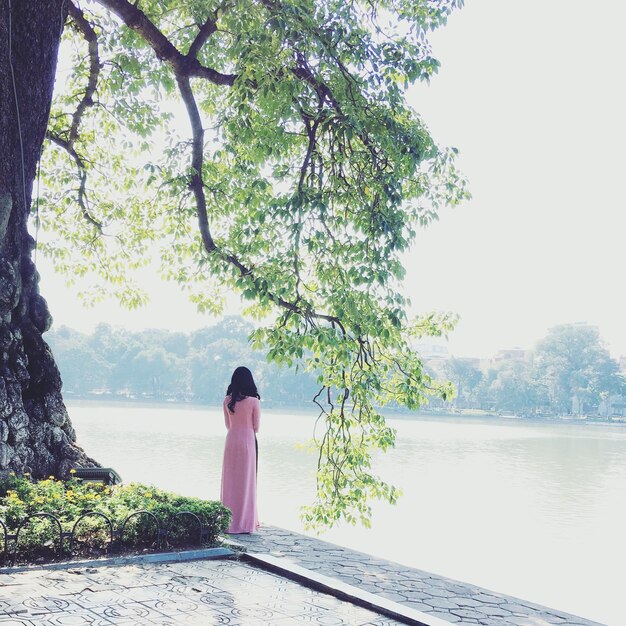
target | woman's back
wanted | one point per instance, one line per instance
(245, 415)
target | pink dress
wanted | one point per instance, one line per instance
(240, 464)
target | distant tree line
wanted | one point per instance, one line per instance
(162, 365)
(569, 372)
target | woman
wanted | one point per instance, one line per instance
(242, 412)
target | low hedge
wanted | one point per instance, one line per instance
(67, 501)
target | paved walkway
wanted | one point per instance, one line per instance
(240, 594)
(434, 595)
(194, 592)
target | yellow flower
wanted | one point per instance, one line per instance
(148, 494)
(72, 471)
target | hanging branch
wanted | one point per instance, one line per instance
(89, 34)
(82, 172)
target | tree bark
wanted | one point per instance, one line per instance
(36, 435)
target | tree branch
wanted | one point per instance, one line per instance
(90, 36)
(185, 65)
(82, 194)
(206, 30)
(197, 160)
(197, 187)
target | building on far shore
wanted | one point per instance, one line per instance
(514, 354)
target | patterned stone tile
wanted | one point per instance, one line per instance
(419, 606)
(127, 613)
(73, 618)
(363, 571)
(488, 598)
(467, 613)
(440, 603)
(217, 600)
(394, 596)
(254, 613)
(465, 602)
(193, 620)
(292, 607)
(190, 589)
(92, 597)
(325, 602)
(39, 605)
(10, 604)
(439, 592)
(234, 593)
(326, 619)
(171, 605)
(491, 611)
(190, 593)
(449, 617)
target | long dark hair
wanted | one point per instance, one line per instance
(241, 386)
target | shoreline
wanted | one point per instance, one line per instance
(462, 415)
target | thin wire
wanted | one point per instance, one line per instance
(37, 206)
(37, 222)
(17, 107)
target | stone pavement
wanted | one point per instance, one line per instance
(440, 597)
(194, 592)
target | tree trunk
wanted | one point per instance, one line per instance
(35, 432)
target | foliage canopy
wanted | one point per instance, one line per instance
(297, 180)
(576, 367)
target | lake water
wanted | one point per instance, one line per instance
(531, 510)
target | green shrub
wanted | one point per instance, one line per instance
(69, 500)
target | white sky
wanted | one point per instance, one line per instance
(532, 93)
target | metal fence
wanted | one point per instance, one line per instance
(182, 523)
